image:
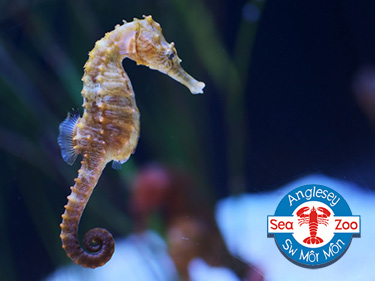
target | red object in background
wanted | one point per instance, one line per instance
(191, 230)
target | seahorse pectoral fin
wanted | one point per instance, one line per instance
(65, 139)
(179, 74)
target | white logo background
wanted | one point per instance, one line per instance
(326, 232)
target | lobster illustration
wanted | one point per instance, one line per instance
(313, 219)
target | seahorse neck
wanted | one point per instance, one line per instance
(103, 57)
(112, 48)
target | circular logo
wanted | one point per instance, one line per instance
(313, 226)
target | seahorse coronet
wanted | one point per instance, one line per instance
(109, 127)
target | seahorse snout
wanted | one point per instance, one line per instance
(179, 74)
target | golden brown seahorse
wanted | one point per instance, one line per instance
(109, 127)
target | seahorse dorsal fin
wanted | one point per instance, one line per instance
(116, 165)
(65, 138)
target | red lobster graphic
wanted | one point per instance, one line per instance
(313, 219)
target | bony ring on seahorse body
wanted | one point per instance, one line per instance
(109, 128)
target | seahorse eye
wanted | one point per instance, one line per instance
(171, 55)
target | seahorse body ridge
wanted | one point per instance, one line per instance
(109, 127)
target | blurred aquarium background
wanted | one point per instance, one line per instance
(290, 92)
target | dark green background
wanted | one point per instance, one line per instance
(278, 104)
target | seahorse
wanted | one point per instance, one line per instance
(109, 127)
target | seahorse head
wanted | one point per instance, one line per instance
(151, 49)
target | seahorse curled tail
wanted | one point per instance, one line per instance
(97, 242)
